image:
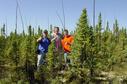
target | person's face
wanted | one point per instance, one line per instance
(56, 30)
(45, 34)
(65, 33)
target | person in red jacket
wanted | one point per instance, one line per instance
(66, 44)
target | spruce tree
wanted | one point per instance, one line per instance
(82, 53)
(116, 31)
(98, 32)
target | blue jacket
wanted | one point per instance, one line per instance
(43, 45)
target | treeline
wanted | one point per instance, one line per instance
(94, 50)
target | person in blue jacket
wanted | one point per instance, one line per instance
(43, 44)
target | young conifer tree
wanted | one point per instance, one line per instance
(82, 52)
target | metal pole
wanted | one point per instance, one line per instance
(92, 58)
(63, 14)
(94, 14)
(16, 16)
(20, 14)
(60, 18)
